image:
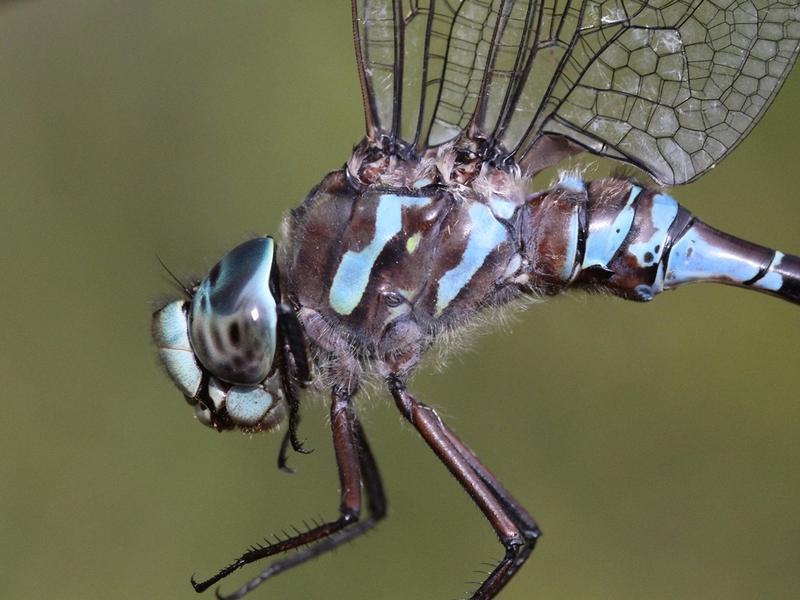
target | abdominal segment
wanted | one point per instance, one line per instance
(617, 236)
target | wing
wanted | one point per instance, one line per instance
(670, 86)
(424, 65)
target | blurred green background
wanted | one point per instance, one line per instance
(657, 444)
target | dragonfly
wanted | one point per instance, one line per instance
(431, 221)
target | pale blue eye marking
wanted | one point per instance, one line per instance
(171, 334)
(486, 234)
(170, 329)
(664, 211)
(692, 258)
(352, 276)
(772, 280)
(502, 207)
(182, 369)
(247, 405)
(602, 244)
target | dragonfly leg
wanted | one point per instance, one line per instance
(516, 529)
(294, 368)
(530, 530)
(295, 340)
(290, 437)
(356, 465)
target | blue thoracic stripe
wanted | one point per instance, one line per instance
(602, 244)
(648, 252)
(485, 235)
(352, 276)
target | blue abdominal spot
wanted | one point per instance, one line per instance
(772, 280)
(648, 252)
(602, 244)
(694, 258)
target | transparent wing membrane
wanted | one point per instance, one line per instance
(670, 86)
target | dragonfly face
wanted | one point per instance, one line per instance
(431, 220)
(219, 348)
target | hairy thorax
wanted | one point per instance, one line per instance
(377, 269)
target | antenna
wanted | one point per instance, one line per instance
(186, 290)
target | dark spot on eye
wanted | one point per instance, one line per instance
(617, 230)
(234, 334)
(689, 252)
(392, 299)
(216, 339)
(648, 257)
(204, 303)
(658, 247)
(213, 275)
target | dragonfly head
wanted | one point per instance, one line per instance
(219, 347)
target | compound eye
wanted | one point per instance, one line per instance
(233, 317)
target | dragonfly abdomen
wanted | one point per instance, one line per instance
(632, 241)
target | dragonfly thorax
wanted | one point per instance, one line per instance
(393, 267)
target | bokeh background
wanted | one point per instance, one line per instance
(657, 444)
